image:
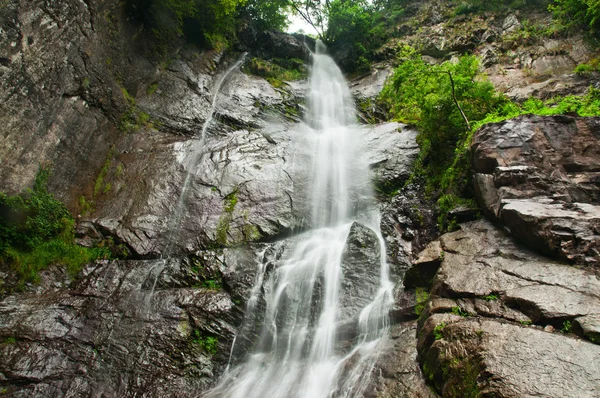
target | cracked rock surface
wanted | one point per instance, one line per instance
(524, 326)
(540, 177)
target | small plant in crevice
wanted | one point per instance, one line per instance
(438, 331)
(133, 119)
(460, 312)
(567, 327)
(422, 295)
(208, 344)
(37, 230)
(491, 297)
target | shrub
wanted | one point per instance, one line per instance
(448, 103)
(575, 14)
(37, 230)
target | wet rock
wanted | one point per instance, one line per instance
(408, 210)
(361, 269)
(537, 175)
(282, 45)
(472, 356)
(391, 149)
(396, 372)
(424, 267)
(124, 328)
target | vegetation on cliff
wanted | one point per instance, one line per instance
(448, 102)
(37, 230)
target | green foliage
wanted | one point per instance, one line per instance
(530, 33)
(152, 88)
(567, 327)
(133, 119)
(491, 297)
(577, 14)
(438, 331)
(350, 26)
(460, 312)
(212, 284)
(422, 295)
(588, 68)
(433, 96)
(209, 344)
(277, 70)
(263, 15)
(208, 22)
(10, 340)
(37, 230)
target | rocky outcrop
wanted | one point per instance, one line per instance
(539, 176)
(361, 268)
(518, 50)
(155, 328)
(501, 320)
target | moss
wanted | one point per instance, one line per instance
(438, 331)
(422, 295)
(133, 119)
(99, 185)
(277, 70)
(85, 207)
(208, 344)
(152, 88)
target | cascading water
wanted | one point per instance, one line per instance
(297, 353)
(193, 155)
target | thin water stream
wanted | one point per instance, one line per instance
(297, 353)
(193, 158)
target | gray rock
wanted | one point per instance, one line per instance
(361, 269)
(482, 356)
(124, 328)
(510, 23)
(396, 372)
(424, 267)
(543, 186)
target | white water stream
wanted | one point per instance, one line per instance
(297, 353)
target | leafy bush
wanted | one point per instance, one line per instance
(442, 100)
(448, 103)
(37, 230)
(577, 14)
(277, 70)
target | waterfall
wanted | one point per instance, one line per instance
(298, 352)
(194, 154)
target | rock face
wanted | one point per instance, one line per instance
(170, 159)
(539, 176)
(361, 267)
(517, 61)
(124, 328)
(491, 325)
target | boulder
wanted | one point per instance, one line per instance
(503, 320)
(469, 357)
(361, 270)
(124, 328)
(539, 177)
